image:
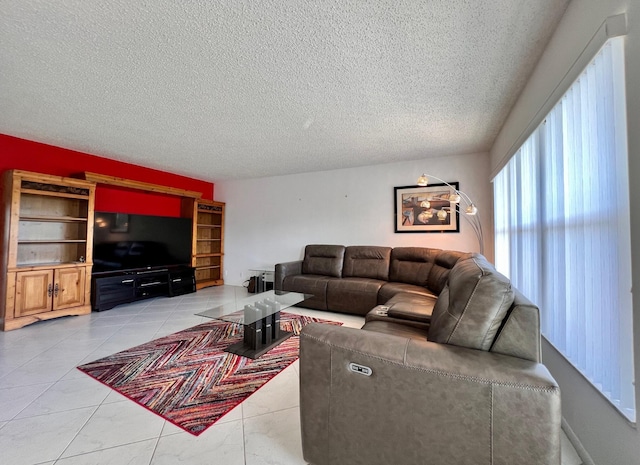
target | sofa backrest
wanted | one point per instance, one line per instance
(324, 260)
(412, 265)
(472, 306)
(367, 262)
(442, 266)
(422, 266)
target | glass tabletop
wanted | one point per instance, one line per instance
(253, 308)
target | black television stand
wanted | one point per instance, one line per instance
(151, 271)
(109, 289)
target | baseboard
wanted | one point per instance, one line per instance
(577, 445)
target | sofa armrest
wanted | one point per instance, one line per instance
(422, 402)
(286, 269)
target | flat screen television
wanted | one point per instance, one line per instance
(125, 242)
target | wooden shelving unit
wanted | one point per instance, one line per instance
(207, 255)
(47, 247)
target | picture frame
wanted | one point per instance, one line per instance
(412, 216)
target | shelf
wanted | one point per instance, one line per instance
(207, 241)
(207, 267)
(28, 266)
(54, 194)
(48, 232)
(207, 280)
(53, 241)
(54, 219)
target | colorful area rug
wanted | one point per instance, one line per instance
(188, 379)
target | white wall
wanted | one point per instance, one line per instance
(270, 220)
(607, 437)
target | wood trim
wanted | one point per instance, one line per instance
(139, 185)
(54, 194)
(17, 323)
(49, 266)
(50, 179)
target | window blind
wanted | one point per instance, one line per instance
(563, 230)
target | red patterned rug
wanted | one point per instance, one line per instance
(188, 379)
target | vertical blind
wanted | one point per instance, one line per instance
(563, 230)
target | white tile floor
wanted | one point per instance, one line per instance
(51, 413)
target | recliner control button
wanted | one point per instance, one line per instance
(360, 369)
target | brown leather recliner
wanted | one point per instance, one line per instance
(466, 387)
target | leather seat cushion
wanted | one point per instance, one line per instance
(391, 289)
(353, 295)
(380, 313)
(406, 306)
(309, 284)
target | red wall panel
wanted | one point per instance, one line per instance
(27, 155)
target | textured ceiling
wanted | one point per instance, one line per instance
(229, 89)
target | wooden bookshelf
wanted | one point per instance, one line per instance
(47, 253)
(207, 256)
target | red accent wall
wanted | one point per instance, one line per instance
(27, 155)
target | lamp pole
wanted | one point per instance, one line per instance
(470, 212)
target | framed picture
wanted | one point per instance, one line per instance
(426, 209)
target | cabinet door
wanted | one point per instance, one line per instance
(34, 292)
(68, 290)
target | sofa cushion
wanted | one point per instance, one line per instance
(324, 260)
(471, 307)
(353, 295)
(366, 262)
(390, 290)
(412, 265)
(439, 272)
(415, 307)
(314, 285)
(381, 313)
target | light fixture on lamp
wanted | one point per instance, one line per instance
(462, 202)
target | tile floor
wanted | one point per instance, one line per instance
(51, 413)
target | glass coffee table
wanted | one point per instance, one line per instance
(260, 316)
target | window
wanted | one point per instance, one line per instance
(562, 227)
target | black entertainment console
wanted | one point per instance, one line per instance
(119, 287)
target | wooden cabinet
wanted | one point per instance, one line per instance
(47, 247)
(207, 255)
(45, 290)
(33, 292)
(68, 288)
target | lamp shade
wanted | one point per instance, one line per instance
(459, 202)
(471, 209)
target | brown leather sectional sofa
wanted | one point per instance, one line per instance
(357, 278)
(445, 370)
